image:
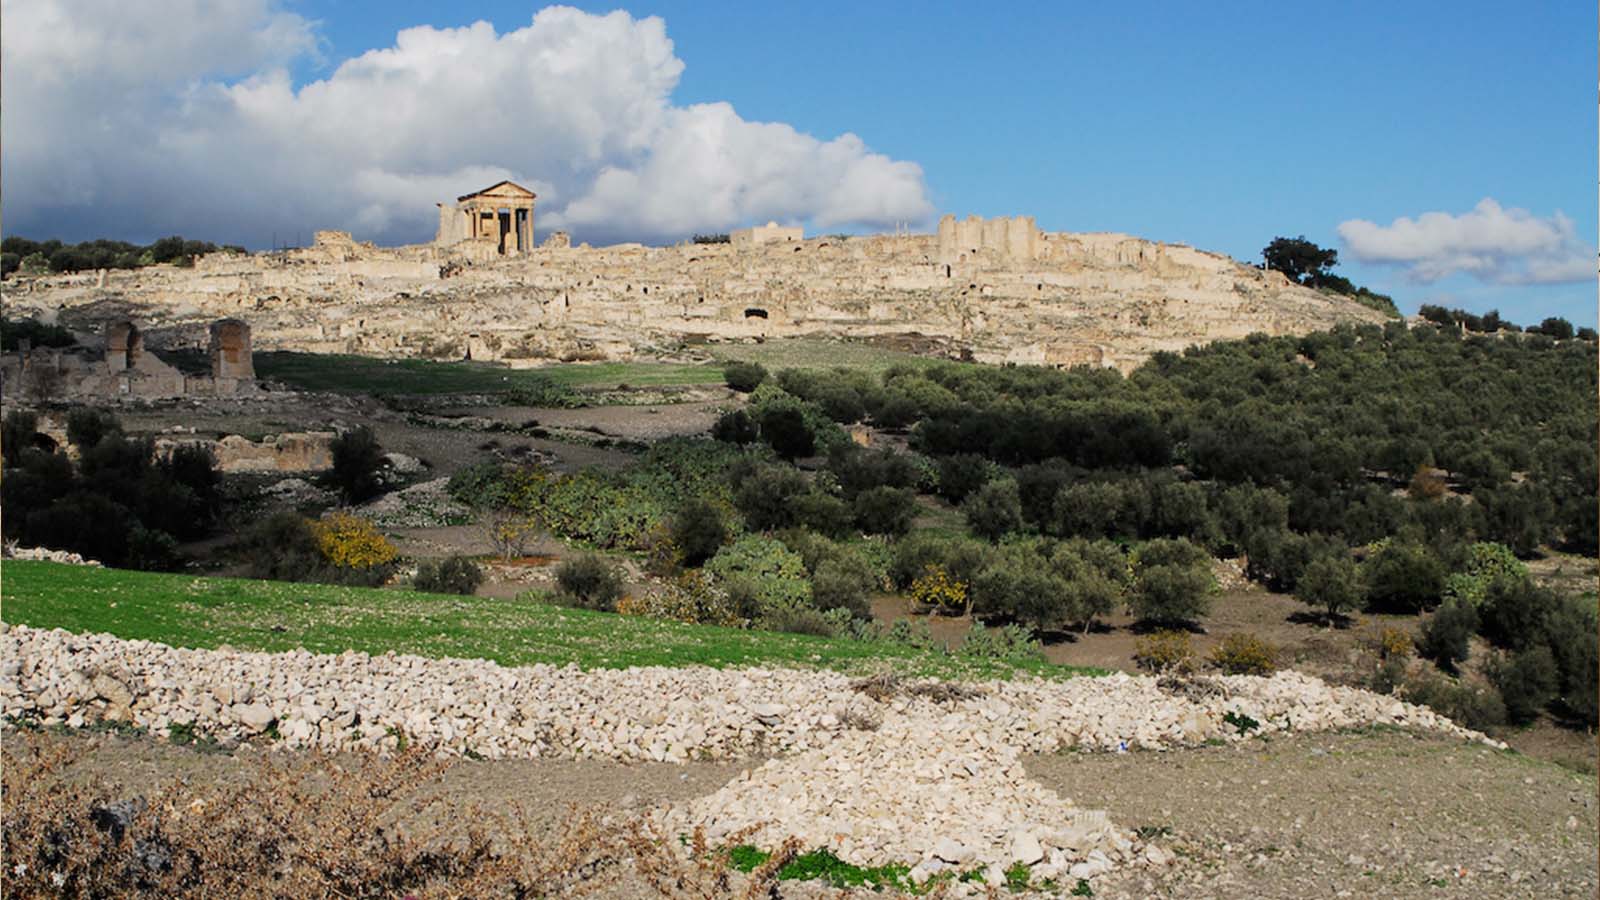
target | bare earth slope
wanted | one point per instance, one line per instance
(1045, 298)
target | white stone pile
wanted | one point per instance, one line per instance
(44, 554)
(928, 777)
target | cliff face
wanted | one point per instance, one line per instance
(998, 290)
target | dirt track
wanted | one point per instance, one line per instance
(1373, 814)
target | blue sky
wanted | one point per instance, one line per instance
(1217, 125)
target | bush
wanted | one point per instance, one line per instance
(1486, 563)
(1403, 578)
(588, 581)
(961, 557)
(885, 510)
(1516, 612)
(353, 548)
(455, 575)
(692, 597)
(786, 431)
(994, 510)
(1473, 707)
(735, 427)
(1527, 681)
(85, 427)
(1172, 582)
(1242, 653)
(698, 530)
(744, 377)
(16, 434)
(762, 568)
(765, 496)
(357, 458)
(1447, 636)
(935, 590)
(1573, 635)
(843, 582)
(1331, 583)
(961, 475)
(822, 513)
(1010, 642)
(1164, 652)
(803, 618)
(282, 547)
(481, 485)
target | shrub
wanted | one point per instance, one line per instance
(1573, 636)
(16, 434)
(1019, 584)
(283, 547)
(994, 510)
(354, 549)
(1527, 681)
(1395, 643)
(481, 485)
(735, 427)
(765, 496)
(698, 530)
(961, 557)
(822, 513)
(961, 475)
(1242, 653)
(786, 431)
(1332, 583)
(798, 617)
(885, 510)
(357, 458)
(1486, 562)
(1516, 612)
(1447, 636)
(692, 597)
(842, 582)
(85, 427)
(1404, 578)
(454, 575)
(1010, 642)
(1172, 582)
(1474, 707)
(588, 581)
(934, 589)
(1164, 652)
(762, 567)
(744, 377)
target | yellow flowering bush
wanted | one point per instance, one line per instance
(935, 589)
(351, 542)
(1164, 652)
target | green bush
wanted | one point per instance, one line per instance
(454, 575)
(1331, 583)
(735, 427)
(744, 377)
(822, 513)
(481, 485)
(1172, 582)
(17, 433)
(885, 510)
(1573, 635)
(698, 530)
(772, 574)
(1447, 636)
(995, 510)
(1527, 681)
(1009, 643)
(357, 460)
(588, 581)
(13, 331)
(1474, 707)
(765, 496)
(85, 426)
(1485, 563)
(1403, 578)
(786, 431)
(960, 475)
(1242, 653)
(282, 547)
(843, 582)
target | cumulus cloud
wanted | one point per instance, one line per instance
(121, 121)
(1491, 243)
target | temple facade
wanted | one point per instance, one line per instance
(499, 217)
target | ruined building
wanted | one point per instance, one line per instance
(498, 218)
(121, 367)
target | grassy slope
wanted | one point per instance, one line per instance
(186, 611)
(360, 374)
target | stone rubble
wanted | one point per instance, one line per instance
(937, 784)
(44, 554)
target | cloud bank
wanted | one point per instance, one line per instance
(1490, 243)
(123, 123)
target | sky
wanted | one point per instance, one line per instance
(1447, 150)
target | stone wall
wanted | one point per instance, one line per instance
(998, 290)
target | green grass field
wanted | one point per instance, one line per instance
(187, 611)
(817, 353)
(367, 375)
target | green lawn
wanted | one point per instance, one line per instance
(187, 611)
(369, 375)
(818, 353)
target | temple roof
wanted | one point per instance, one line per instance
(501, 189)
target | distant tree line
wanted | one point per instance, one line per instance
(30, 256)
(1491, 323)
(1306, 263)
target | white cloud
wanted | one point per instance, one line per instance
(1491, 243)
(188, 121)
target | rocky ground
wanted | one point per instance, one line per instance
(878, 770)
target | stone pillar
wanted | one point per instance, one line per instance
(231, 351)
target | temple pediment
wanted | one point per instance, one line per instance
(508, 190)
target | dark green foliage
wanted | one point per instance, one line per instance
(960, 557)
(1172, 582)
(843, 582)
(1447, 636)
(823, 513)
(17, 433)
(1403, 578)
(13, 331)
(735, 427)
(786, 431)
(104, 254)
(885, 510)
(86, 426)
(1573, 636)
(1300, 259)
(995, 510)
(481, 485)
(588, 581)
(455, 575)
(699, 531)
(1516, 613)
(1555, 327)
(857, 470)
(744, 376)
(1331, 582)
(960, 475)
(1527, 681)
(83, 522)
(1474, 707)
(765, 495)
(357, 460)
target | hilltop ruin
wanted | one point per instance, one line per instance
(995, 290)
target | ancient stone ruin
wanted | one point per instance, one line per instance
(120, 367)
(995, 290)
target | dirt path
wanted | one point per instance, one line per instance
(1335, 815)
(1386, 814)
